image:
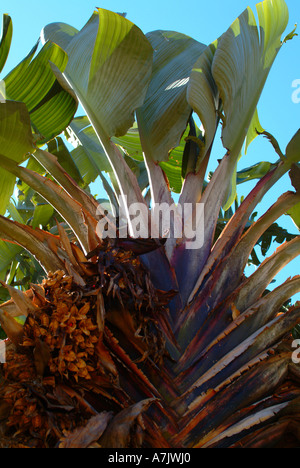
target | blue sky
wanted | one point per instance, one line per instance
(204, 21)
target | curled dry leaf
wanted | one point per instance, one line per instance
(21, 300)
(83, 437)
(125, 429)
(11, 327)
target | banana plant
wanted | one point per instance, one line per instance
(147, 341)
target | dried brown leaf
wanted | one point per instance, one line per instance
(82, 437)
(125, 428)
(12, 328)
(100, 311)
(21, 300)
(105, 358)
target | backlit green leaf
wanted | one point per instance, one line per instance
(295, 215)
(161, 126)
(115, 64)
(5, 39)
(33, 82)
(292, 151)
(42, 215)
(15, 142)
(242, 63)
(203, 95)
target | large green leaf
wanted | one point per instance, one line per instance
(15, 142)
(33, 82)
(60, 33)
(5, 39)
(242, 63)
(203, 95)
(163, 117)
(108, 46)
(109, 67)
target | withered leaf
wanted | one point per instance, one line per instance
(235, 312)
(82, 437)
(100, 311)
(51, 402)
(295, 177)
(105, 357)
(11, 327)
(125, 428)
(22, 301)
